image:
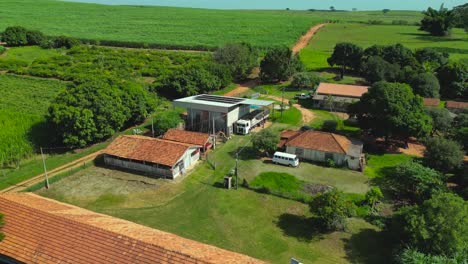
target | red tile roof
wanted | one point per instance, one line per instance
(342, 89)
(431, 102)
(41, 230)
(323, 141)
(188, 137)
(287, 135)
(148, 149)
(456, 105)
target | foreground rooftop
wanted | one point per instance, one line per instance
(41, 230)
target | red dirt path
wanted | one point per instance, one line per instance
(304, 40)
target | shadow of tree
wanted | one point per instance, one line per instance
(247, 153)
(369, 246)
(428, 37)
(300, 227)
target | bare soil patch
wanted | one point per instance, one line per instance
(307, 115)
(243, 87)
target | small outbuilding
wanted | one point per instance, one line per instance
(456, 106)
(189, 137)
(337, 97)
(322, 146)
(431, 102)
(152, 156)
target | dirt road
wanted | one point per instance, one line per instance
(39, 178)
(304, 40)
(243, 87)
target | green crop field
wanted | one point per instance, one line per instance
(176, 27)
(321, 46)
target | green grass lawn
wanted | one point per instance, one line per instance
(343, 127)
(282, 182)
(260, 225)
(376, 163)
(291, 116)
(321, 46)
(30, 53)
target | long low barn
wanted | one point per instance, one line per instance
(41, 230)
(156, 157)
(337, 96)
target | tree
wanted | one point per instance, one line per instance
(443, 154)
(373, 196)
(460, 129)
(265, 141)
(239, 58)
(15, 36)
(460, 14)
(35, 37)
(166, 120)
(413, 181)
(453, 79)
(398, 54)
(438, 226)
(305, 80)
(385, 11)
(279, 64)
(412, 256)
(425, 85)
(331, 209)
(437, 22)
(346, 55)
(332, 8)
(376, 69)
(392, 110)
(441, 119)
(431, 59)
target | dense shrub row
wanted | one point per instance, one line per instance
(20, 36)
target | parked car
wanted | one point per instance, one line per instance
(285, 159)
(303, 96)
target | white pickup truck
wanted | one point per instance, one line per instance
(251, 120)
(303, 96)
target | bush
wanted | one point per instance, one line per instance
(330, 163)
(15, 36)
(59, 42)
(2, 50)
(305, 80)
(443, 154)
(35, 37)
(265, 141)
(331, 209)
(330, 125)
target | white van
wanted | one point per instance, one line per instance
(285, 159)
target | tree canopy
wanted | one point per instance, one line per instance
(240, 58)
(265, 141)
(346, 55)
(443, 154)
(438, 22)
(279, 64)
(441, 119)
(305, 80)
(453, 78)
(425, 85)
(331, 209)
(438, 226)
(165, 120)
(392, 110)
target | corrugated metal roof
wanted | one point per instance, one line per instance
(257, 102)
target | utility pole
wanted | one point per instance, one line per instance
(237, 178)
(45, 170)
(282, 103)
(214, 134)
(152, 125)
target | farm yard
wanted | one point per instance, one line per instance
(260, 225)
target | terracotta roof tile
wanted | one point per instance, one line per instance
(287, 135)
(456, 105)
(341, 89)
(148, 149)
(323, 141)
(188, 137)
(41, 230)
(431, 102)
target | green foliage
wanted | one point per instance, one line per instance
(443, 154)
(439, 226)
(239, 58)
(281, 182)
(95, 110)
(59, 42)
(165, 120)
(437, 22)
(373, 196)
(192, 79)
(35, 37)
(331, 209)
(425, 85)
(2, 50)
(460, 14)
(431, 59)
(453, 80)
(376, 69)
(441, 119)
(392, 110)
(15, 36)
(279, 64)
(460, 129)
(329, 125)
(305, 80)
(265, 141)
(413, 181)
(412, 256)
(346, 55)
